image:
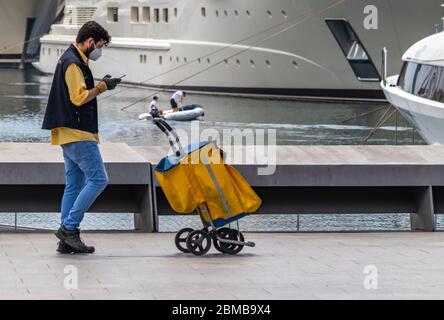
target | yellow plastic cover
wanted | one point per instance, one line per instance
(189, 184)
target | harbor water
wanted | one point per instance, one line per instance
(23, 97)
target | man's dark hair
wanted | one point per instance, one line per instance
(92, 29)
(155, 98)
(184, 93)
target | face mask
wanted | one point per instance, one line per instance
(95, 54)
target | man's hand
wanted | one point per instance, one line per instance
(111, 83)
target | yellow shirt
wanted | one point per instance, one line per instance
(78, 93)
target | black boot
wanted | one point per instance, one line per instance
(70, 241)
(63, 248)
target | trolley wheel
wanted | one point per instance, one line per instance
(223, 233)
(231, 234)
(198, 242)
(181, 239)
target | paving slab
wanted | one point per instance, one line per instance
(281, 266)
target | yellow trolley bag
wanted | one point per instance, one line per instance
(197, 179)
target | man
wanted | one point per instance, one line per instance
(177, 99)
(154, 110)
(71, 115)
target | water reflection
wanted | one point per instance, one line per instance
(23, 95)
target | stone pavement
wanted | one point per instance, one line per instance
(282, 266)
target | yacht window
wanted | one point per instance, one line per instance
(113, 14)
(141, 59)
(43, 50)
(209, 61)
(144, 58)
(203, 11)
(185, 60)
(284, 14)
(135, 14)
(353, 50)
(165, 15)
(269, 14)
(295, 64)
(160, 60)
(177, 59)
(252, 63)
(236, 12)
(267, 62)
(226, 13)
(422, 80)
(49, 51)
(248, 13)
(199, 60)
(156, 15)
(217, 13)
(146, 14)
(175, 12)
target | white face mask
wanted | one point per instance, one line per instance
(95, 54)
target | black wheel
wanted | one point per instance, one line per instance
(181, 239)
(223, 233)
(229, 248)
(198, 242)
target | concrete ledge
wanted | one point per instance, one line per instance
(308, 179)
(338, 179)
(32, 179)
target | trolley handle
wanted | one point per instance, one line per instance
(173, 138)
(160, 125)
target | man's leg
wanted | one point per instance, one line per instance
(174, 105)
(86, 156)
(75, 181)
(90, 162)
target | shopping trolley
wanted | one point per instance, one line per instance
(195, 179)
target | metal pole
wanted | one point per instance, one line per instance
(396, 127)
(442, 19)
(384, 65)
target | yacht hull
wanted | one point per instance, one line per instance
(279, 48)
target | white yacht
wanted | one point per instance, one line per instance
(292, 48)
(21, 24)
(418, 91)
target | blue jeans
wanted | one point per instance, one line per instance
(86, 178)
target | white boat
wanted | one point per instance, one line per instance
(186, 113)
(418, 91)
(280, 48)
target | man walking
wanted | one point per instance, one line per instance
(71, 115)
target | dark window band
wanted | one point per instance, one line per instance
(422, 80)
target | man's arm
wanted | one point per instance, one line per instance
(78, 94)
